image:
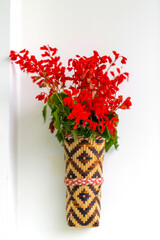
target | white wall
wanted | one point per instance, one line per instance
(15, 41)
(4, 115)
(130, 196)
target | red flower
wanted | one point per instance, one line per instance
(124, 60)
(42, 96)
(78, 113)
(52, 128)
(94, 83)
(13, 56)
(116, 55)
(67, 92)
(69, 102)
(126, 104)
(93, 125)
(75, 91)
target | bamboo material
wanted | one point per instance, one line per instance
(83, 159)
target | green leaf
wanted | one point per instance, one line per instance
(59, 136)
(50, 104)
(56, 100)
(88, 133)
(44, 112)
(112, 141)
(57, 123)
(115, 139)
(93, 134)
(63, 95)
(68, 122)
(116, 145)
(67, 126)
(75, 135)
(53, 110)
(106, 134)
(67, 110)
(109, 144)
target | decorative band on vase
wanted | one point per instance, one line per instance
(83, 179)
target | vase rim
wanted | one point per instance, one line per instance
(71, 136)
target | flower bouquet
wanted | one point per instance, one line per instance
(83, 103)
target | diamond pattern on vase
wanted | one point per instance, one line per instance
(83, 205)
(83, 196)
(83, 159)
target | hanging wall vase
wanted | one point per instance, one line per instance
(83, 179)
(83, 99)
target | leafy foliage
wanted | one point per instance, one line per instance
(64, 126)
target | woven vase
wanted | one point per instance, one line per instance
(83, 179)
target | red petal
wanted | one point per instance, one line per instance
(67, 92)
(112, 73)
(44, 48)
(109, 59)
(118, 70)
(95, 53)
(116, 55)
(22, 51)
(127, 74)
(74, 90)
(69, 61)
(46, 54)
(126, 104)
(52, 128)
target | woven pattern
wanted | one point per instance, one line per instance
(84, 159)
(83, 181)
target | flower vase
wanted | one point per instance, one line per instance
(83, 179)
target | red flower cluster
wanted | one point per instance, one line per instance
(49, 71)
(92, 95)
(93, 98)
